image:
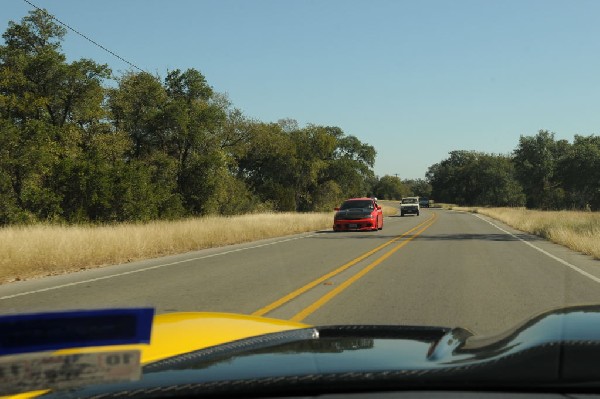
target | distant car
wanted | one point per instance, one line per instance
(358, 214)
(424, 202)
(409, 205)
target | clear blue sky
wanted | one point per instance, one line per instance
(416, 79)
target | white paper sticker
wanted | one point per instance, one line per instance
(30, 372)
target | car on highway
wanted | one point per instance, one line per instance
(409, 205)
(358, 214)
(169, 171)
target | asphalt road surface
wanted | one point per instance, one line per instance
(442, 268)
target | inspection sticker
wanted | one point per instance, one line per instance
(37, 332)
(35, 371)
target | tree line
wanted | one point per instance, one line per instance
(541, 173)
(75, 150)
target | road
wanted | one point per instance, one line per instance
(442, 268)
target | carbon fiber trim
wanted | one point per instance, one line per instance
(231, 348)
(383, 331)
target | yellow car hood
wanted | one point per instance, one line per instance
(177, 333)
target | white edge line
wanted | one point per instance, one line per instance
(150, 268)
(556, 258)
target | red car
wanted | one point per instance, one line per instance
(358, 214)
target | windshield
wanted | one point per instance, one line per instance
(188, 157)
(357, 204)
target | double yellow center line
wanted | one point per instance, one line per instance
(327, 297)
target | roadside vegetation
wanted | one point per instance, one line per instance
(149, 156)
(77, 150)
(441, 205)
(94, 173)
(74, 149)
(541, 173)
(579, 231)
(546, 187)
(42, 250)
(389, 208)
(45, 250)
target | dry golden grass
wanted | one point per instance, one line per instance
(389, 208)
(443, 206)
(43, 250)
(579, 231)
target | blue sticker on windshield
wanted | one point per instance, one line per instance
(59, 330)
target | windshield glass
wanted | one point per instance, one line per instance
(317, 163)
(357, 204)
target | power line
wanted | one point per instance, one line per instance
(84, 36)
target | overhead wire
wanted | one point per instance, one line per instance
(85, 37)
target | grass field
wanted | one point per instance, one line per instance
(576, 230)
(44, 250)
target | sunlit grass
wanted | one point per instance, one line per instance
(443, 206)
(576, 230)
(389, 208)
(42, 250)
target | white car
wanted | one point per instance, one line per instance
(410, 205)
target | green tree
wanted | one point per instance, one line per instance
(137, 107)
(418, 187)
(47, 107)
(536, 159)
(495, 183)
(175, 120)
(267, 163)
(315, 148)
(352, 165)
(193, 123)
(474, 178)
(579, 170)
(71, 149)
(390, 188)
